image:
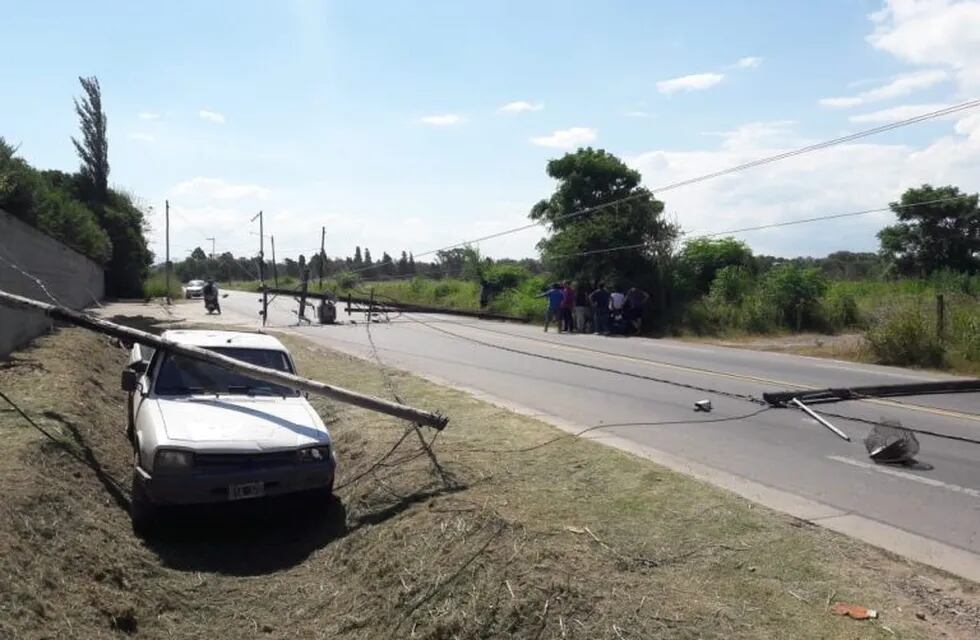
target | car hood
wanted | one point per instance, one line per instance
(241, 423)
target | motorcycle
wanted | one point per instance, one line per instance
(211, 304)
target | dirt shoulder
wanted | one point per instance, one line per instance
(520, 531)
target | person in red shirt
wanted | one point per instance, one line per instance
(567, 304)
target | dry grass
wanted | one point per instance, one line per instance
(570, 540)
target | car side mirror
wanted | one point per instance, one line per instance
(140, 366)
(129, 380)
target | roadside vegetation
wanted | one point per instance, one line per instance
(916, 302)
(80, 209)
(513, 538)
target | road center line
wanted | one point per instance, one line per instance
(932, 482)
(947, 413)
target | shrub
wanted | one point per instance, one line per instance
(905, 336)
(156, 287)
(347, 280)
(839, 309)
(731, 284)
(794, 293)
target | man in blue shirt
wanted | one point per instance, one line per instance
(555, 295)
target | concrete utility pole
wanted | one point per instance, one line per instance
(265, 296)
(272, 376)
(212, 247)
(323, 255)
(275, 271)
(166, 264)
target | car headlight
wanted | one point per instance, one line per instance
(173, 460)
(314, 454)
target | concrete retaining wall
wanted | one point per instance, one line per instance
(71, 278)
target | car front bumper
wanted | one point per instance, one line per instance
(214, 486)
(196, 293)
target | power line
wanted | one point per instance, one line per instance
(773, 225)
(963, 106)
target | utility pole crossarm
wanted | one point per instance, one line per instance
(290, 380)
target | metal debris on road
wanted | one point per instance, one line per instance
(813, 414)
(891, 443)
(703, 405)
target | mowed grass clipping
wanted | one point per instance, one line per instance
(568, 540)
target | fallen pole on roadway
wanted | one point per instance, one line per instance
(812, 396)
(290, 380)
(394, 306)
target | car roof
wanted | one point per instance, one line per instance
(208, 338)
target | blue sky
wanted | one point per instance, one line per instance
(384, 121)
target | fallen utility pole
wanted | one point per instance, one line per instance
(812, 396)
(290, 380)
(395, 307)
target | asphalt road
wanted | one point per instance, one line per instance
(780, 449)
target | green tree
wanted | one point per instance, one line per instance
(931, 235)
(403, 264)
(358, 261)
(702, 258)
(591, 178)
(387, 264)
(93, 149)
(793, 293)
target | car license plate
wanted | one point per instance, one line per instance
(245, 491)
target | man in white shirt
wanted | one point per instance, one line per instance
(616, 301)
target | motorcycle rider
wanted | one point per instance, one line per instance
(210, 292)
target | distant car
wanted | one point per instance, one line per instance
(194, 289)
(203, 434)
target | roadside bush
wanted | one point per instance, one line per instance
(156, 287)
(523, 301)
(794, 293)
(964, 330)
(839, 309)
(731, 284)
(347, 280)
(905, 336)
(506, 276)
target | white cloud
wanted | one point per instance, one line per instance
(211, 116)
(844, 178)
(638, 114)
(932, 32)
(142, 137)
(695, 82)
(443, 120)
(895, 114)
(205, 189)
(900, 86)
(149, 115)
(840, 103)
(566, 138)
(521, 106)
(748, 62)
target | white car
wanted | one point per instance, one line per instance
(194, 289)
(204, 434)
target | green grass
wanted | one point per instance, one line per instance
(156, 287)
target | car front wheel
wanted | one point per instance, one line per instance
(142, 512)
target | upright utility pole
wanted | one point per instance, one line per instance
(212, 247)
(265, 294)
(323, 255)
(275, 271)
(166, 265)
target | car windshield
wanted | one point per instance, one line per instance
(195, 283)
(180, 375)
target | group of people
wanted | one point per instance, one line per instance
(601, 312)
